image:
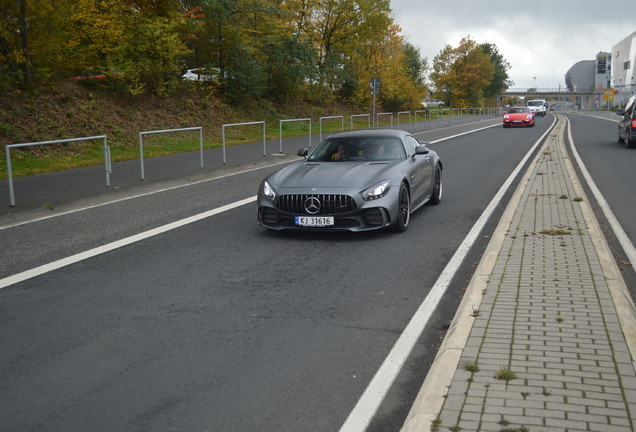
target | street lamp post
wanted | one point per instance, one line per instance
(535, 83)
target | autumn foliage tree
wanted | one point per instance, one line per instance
(264, 49)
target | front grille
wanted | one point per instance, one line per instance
(328, 204)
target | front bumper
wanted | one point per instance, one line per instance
(365, 219)
(524, 122)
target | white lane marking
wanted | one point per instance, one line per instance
(621, 235)
(595, 116)
(603, 118)
(55, 265)
(458, 135)
(115, 201)
(370, 401)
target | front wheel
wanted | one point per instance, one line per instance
(404, 209)
(436, 196)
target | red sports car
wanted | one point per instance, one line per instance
(518, 116)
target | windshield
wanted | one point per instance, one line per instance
(535, 103)
(358, 149)
(518, 110)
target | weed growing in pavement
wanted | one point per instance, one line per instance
(475, 313)
(564, 196)
(577, 199)
(554, 232)
(48, 205)
(559, 319)
(505, 375)
(435, 424)
(471, 367)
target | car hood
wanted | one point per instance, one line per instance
(332, 174)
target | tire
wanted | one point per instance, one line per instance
(404, 209)
(438, 187)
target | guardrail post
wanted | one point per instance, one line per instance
(8, 147)
(243, 124)
(10, 177)
(141, 144)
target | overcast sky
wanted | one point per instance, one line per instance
(539, 38)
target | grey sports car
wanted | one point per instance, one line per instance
(356, 181)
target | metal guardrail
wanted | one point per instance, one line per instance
(280, 130)
(141, 143)
(8, 147)
(243, 124)
(429, 115)
(328, 118)
(377, 118)
(361, 115)
(410, 119)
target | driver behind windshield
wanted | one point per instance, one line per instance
(341, 154)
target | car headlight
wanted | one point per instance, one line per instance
(268, 191)
(376, 191)
(506, 116)
(529, 116)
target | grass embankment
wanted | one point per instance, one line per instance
(73, 110)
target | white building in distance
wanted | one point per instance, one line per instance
(623, 62)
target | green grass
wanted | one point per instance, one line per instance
(58, 157)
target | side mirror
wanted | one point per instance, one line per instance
(421, 150)
(620, 112)
(302, 152)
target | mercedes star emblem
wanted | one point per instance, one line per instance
(312, 205)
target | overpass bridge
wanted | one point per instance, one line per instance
(585, 99)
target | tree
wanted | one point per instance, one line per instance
(151, 59)
(415, 65)
(500, 80)
(462, 74)
(16, 57)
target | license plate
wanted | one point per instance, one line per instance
(313, 221)
(516, 121)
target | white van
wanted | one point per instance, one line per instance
(538, 106)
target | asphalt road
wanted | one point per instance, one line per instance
(221, 325)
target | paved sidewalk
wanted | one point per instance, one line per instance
(544, 338)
